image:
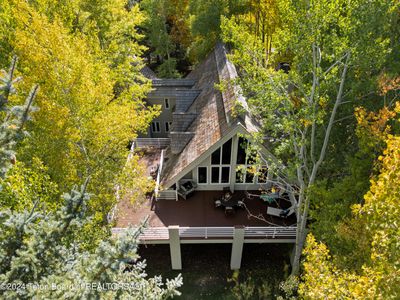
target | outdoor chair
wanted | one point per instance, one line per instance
(217, 203)
(229, 210)
(282, 213)
(186, 189)
(240, 203)
(153, 171)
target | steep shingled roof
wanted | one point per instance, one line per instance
(214, 111)
(148, 73)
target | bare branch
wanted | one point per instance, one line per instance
(258, 217)
(344, 118)
(331, 121)
(333, 65)
(314, 104)
(345, 102)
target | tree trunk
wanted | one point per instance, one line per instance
(304, 207)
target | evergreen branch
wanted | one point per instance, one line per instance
(28, 105)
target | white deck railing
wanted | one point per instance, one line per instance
(269, 232)
(150, 233)
(206, 232)
(159, 143)
(161, 233)
(131, 152)
(167, 195)
(111, 214)
(160, 167)
(163, 194)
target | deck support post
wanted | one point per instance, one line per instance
(237, 247)
(175, 247)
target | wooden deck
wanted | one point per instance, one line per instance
(198, 211)
(149, 158)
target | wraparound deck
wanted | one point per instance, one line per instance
(200, 222)
(199, 211)
(196, 221)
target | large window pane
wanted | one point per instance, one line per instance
(215, 174)
(249, 175)
(241, 155)
(239, 176)
(202, 175)
(226, 153)
(251, 156)
(262, 174)
(216, 157)
(225, 174)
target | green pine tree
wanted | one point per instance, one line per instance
(41, 249)
(11, 129)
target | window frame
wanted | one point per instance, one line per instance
(198, 177)
(220, 157)
(154, 126)
(258, 174)
(167, 104)
(241, 151)
(219, 167)
(229, 174)
(245, 166)
(168, 126)
(243, 174)
(219, 174)
(254, 175)
(230, 152)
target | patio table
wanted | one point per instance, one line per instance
(231, 202)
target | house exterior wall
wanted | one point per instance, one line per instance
(165, 116)
(209, 186)
(188, 176)
(179, 99)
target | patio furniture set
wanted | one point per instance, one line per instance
(229, 202)
(270, 198)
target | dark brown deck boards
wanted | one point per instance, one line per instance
(197, 211)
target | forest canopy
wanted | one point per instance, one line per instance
(322, 77)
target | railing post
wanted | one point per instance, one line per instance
(175, 247)
(157, 187)
(237, 247)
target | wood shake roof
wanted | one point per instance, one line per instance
(213, 108)
(148, 73)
